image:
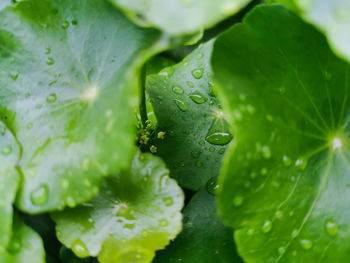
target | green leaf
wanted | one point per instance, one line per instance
(286, 180)
(9, 179)
(179, 17)
(288, 3)
(330, 17)
(137, 212)
(204, 238)
(25, 247)
(69, 79)
(187, 110)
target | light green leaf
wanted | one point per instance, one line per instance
(286, 180)
(178, 17)
(69, 77)
(9, 179)
(25, 247)
(204, 238)
(187, 110)
(137, 212)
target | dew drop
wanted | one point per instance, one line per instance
(168, 201)
(331, 227)
(218, 133)
(178, 90)
(14, 75)
(198, 97)
(211, 149)
(65, 24)
(213, 186)
(197, 73)
(279, 214)
(196, 154)
(221, 151)
(47, 51)
(199, 164)
(200, 55)
(40, 195)
(15, 245)
(301, 164)
(6, 150)
(50, 61)
(306, 244)
(238, 200)
(286, 160)
(267, 226)
(51, 98)
(80, 249)
(266, 152)
(250, 232)
(181, 105)
(30, 126)
(2, 129)
(295, 233)
(64, 183)
(70, 202)
(163, 222)
(281, 250)
(190, 84)
(282, 90)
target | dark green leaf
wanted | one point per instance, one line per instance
(204, 238)
(187, 110)
(180, 16)
(286, 180)
(69, 79)
(136, 213)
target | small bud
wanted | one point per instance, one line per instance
(161, 135)
(153, 149)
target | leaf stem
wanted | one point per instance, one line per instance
(143, 108)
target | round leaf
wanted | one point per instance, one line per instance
(285, 181)
(204, 238)
(9, 179)
(188, 111)
(69, 77)
(137, 212)
(178, 17)
(26, 246)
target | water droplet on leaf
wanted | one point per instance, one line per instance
(198, 73)
(40, 195)
(306, 244)
(178, 90)
(51, 98)
(218, 133)
(198, 97)
(80, 249)
(331, 227)
(267, 226)
(181, 105)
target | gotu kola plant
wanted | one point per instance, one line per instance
(120, 142)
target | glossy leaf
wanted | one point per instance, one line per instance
(69, 80)
(9, 179)
(285, 181)
(204, 238)
(331, 17)
(25, 246)
(187, 110)
(179, 17)
(136, 213)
